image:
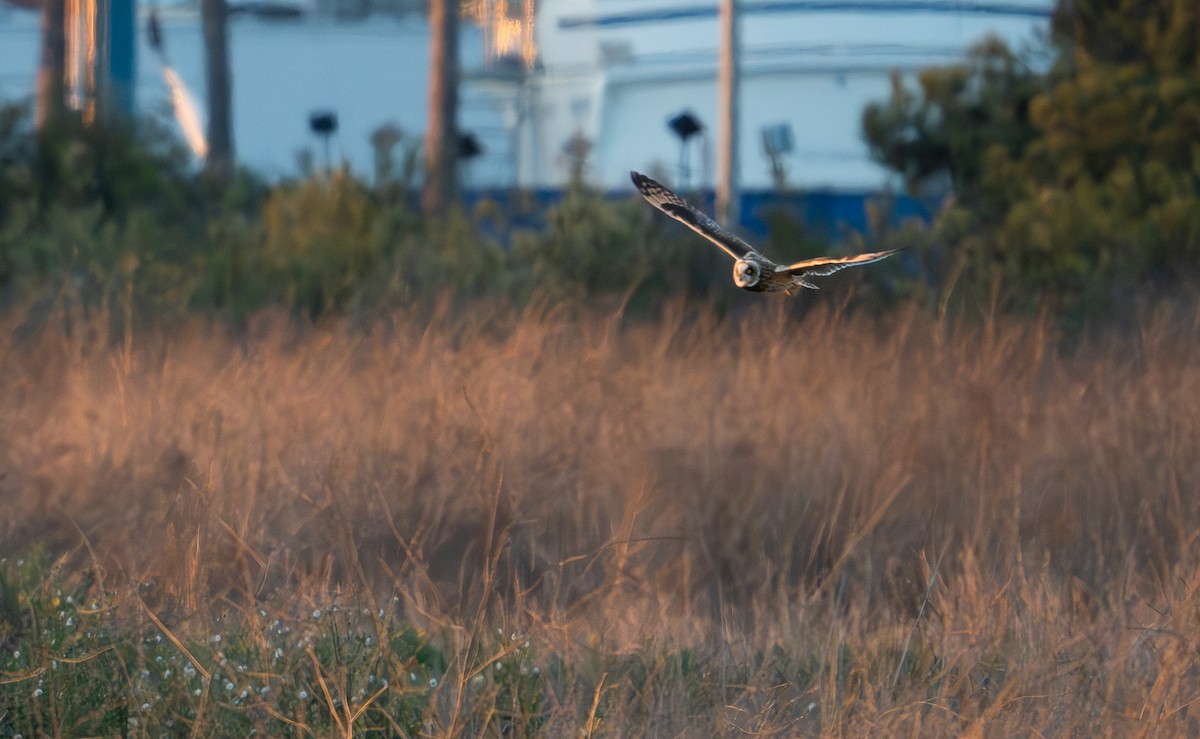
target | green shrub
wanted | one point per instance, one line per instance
(115, 224)
(591, 247)
(1076, 175)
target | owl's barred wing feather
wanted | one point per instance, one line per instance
(822, 266)
(668, 202)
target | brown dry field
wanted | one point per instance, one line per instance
(955, 526)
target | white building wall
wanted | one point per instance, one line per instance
(824, 112)
(814, 71)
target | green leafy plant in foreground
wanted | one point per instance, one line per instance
(76, 663)
(54, 649)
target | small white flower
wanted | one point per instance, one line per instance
(433, 682)
(145, 707)
(228, 685)
(37, 693)
(216, 638)
(317, 613)
(302, 695)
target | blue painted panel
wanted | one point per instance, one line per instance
(121, 63)
(827, 213)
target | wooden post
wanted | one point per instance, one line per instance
(214, 15)
(728, 193)
(441, 130)
(51, 88)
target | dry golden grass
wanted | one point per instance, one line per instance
(829, 525)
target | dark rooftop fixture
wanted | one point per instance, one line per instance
(468, 146)
(323, 122)
(685, 125)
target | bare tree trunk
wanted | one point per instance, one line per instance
(441, 131)
(728, 195)
(214, 15)
(51, 90)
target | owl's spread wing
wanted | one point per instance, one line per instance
(822, 266)
(668, 202)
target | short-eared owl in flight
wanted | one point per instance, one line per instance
(751, 270)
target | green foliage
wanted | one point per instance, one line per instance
(941, 133)
(115, 221)
(71, 666)
(51, 653)
(1158, 33)
(319, 241)
(590, 247)
(1071, 183)
(511, 686)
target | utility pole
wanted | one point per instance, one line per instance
(214, 20)
(441, 128)
(51, 89)
(728, 193)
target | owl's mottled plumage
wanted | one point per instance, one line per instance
(751, 270)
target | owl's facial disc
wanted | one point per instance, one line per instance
(746, 273)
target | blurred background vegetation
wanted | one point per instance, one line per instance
(1074, 169)
(1069, 177)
